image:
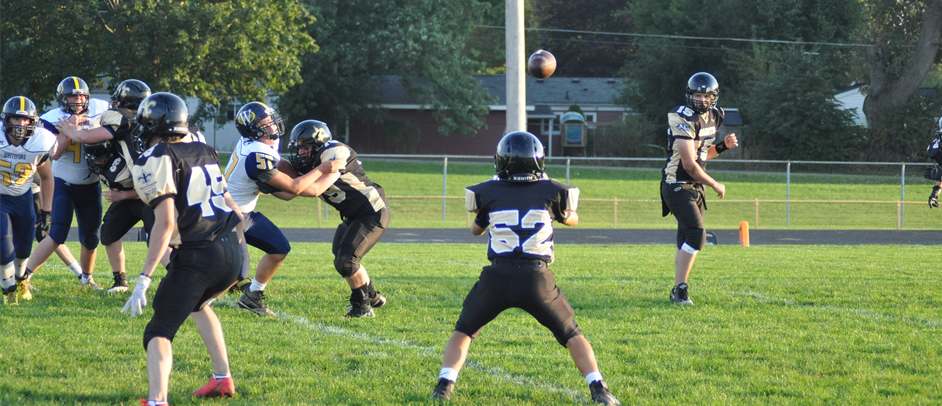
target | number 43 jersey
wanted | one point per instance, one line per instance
(189, 173)
(520, 215)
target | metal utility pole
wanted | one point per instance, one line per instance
(516, 81)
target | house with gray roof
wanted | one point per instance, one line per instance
(546, 101)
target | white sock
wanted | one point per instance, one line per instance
(257, 286)
(156, 403)
(593, 376)
(76, 268)
(86, 278)
(7, 280)
(449, 374)
(20, 264)
(220, 377)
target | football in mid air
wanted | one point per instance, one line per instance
(541, 64)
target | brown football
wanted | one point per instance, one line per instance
(541, 64)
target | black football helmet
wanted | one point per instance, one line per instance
(128, 94)
(160, 115)
(248, 122)
(702, 82)
(519, 158)
(311, 133)
(99, 156)
(72, 85)
(19, 106)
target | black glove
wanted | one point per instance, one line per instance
(43, 222)
(266, 188)
(933, 173)
(934, 196)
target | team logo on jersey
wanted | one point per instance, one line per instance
(682, 127)
(115, 165)
(145, 177)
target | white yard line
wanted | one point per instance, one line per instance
(860, 312)
(422, 350)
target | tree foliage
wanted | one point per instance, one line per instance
(785, 91)
(581, 54)
(793, 110)
(905, 36)
(217, 51)
(367, 42)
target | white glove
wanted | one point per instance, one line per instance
(139, 297)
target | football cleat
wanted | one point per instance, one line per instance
(224, 388)
(22, 290)
(376, 301)
(679, 295)
(253, 301)
(89, 283)
(444, 390)
(120, 284)
(11, 295)
(601, 394)
(362, 309)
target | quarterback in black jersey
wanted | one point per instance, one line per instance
(195, 215)
(518, 210)
(361, 203)
(111, 151)
(691, 141)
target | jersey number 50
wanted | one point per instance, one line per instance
(505, 239)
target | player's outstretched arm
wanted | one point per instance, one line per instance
(299, 184)
(92, 135)
(321, 184)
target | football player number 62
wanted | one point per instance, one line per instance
(504, 239)
(198, 192)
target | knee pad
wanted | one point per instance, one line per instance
(90, 241)
(58, 233)
(346, 265)
(695, 239)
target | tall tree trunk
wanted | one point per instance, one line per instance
(888, 89)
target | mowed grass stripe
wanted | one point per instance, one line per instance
(772, 325)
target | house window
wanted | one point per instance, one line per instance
(545, 122)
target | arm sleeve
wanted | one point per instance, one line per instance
(153, 179)
(568, 203)
(260, 167)
(679, 127)
(339, 152)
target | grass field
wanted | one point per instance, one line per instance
(772, 325)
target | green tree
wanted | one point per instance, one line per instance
(795, 115)
(216, 51)
(905, 36)
(580, 54)
(751, 72)
(364, 43)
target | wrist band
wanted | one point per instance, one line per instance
(721, 147)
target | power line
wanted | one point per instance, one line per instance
(626, 34)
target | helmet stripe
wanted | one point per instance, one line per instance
(75, 79)
(22, 103)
